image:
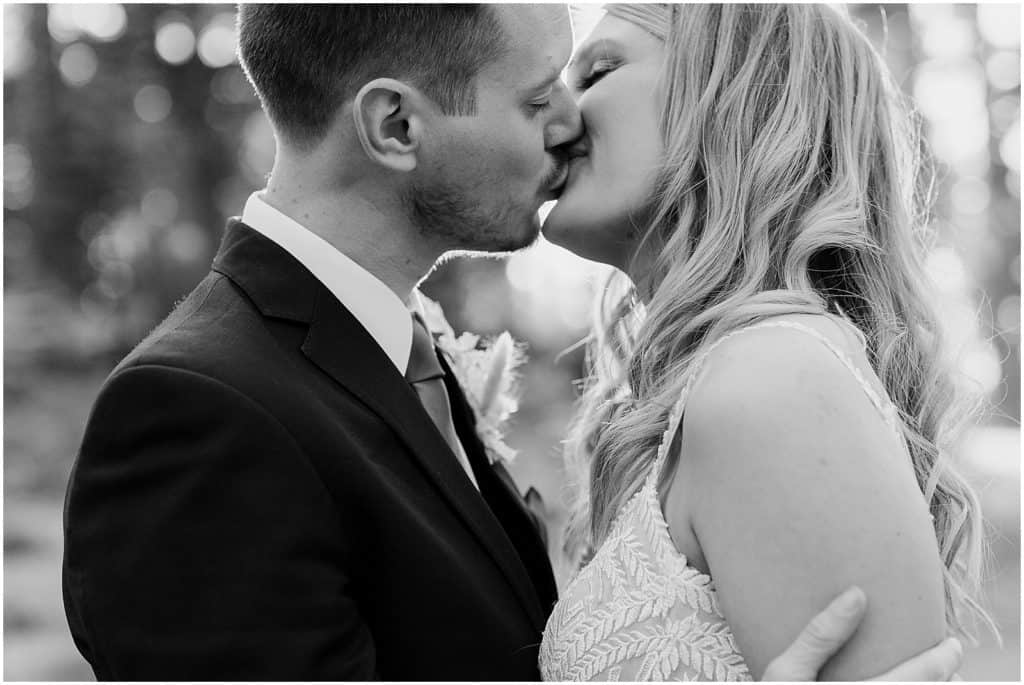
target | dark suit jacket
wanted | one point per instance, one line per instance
(260, 495)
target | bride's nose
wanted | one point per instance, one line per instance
(565, 125)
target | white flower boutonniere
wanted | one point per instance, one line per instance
(486, 372)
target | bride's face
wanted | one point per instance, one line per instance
(611, 175)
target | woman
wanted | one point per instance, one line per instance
(764, 420)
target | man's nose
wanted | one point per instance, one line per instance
(565, 125)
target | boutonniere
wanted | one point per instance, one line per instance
(486, 370)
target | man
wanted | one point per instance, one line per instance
(283, 481)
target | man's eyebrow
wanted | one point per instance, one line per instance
(548, 78)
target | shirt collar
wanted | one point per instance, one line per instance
(380, 311)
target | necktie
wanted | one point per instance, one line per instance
(426, 377)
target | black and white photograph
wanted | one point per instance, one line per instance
(511, 342)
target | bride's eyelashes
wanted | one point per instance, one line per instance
(598, 70)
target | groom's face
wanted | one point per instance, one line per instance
(483, 177)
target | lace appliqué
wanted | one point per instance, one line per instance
(638, 611)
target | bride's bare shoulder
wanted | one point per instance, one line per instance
(780, 360)
(793, 481)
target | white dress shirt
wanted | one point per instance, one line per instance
(374, 305)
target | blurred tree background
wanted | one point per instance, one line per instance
(130, 134)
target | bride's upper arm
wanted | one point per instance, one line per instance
(795, 489)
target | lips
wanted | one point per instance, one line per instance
(556, 179)
(581, 148)
(563, 163)
(578, 152)
(560, 179)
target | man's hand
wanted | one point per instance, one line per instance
(831, 629)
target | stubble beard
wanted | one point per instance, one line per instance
(455, 220)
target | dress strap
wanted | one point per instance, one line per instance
(881, 403)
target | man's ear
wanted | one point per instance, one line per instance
(390, 118)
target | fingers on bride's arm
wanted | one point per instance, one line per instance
(935, 665)
(796, 490)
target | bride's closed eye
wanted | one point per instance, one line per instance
(598, 70)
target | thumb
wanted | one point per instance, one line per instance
(820, 640)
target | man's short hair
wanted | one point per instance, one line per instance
(305, 61)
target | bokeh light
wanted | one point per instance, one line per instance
(999, 24)
(62, 24)
(153, 103)
(184, 243)
(946, 270)
(1012, 183)
(102, 22)
(116, 279)
(159, 206)
(18, 176)
(1003, 69)
(930, 12)
(970, 195)
(948, 37)
(78, 64)
(981, 368)
(946, 92)
(1003, 111)
(217, 42)
(175, 42)
(1008, 315)
(19, 53)
(1009, 147)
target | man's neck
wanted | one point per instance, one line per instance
(387, 246)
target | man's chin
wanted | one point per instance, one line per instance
(509, 240)
(495, 245)
(511, 245)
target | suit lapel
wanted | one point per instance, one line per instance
(503, 495)
(338, 344)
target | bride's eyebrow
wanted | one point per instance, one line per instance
(589, 49)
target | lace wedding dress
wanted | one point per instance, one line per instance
(638, 611)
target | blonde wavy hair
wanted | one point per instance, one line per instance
(792, 183)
